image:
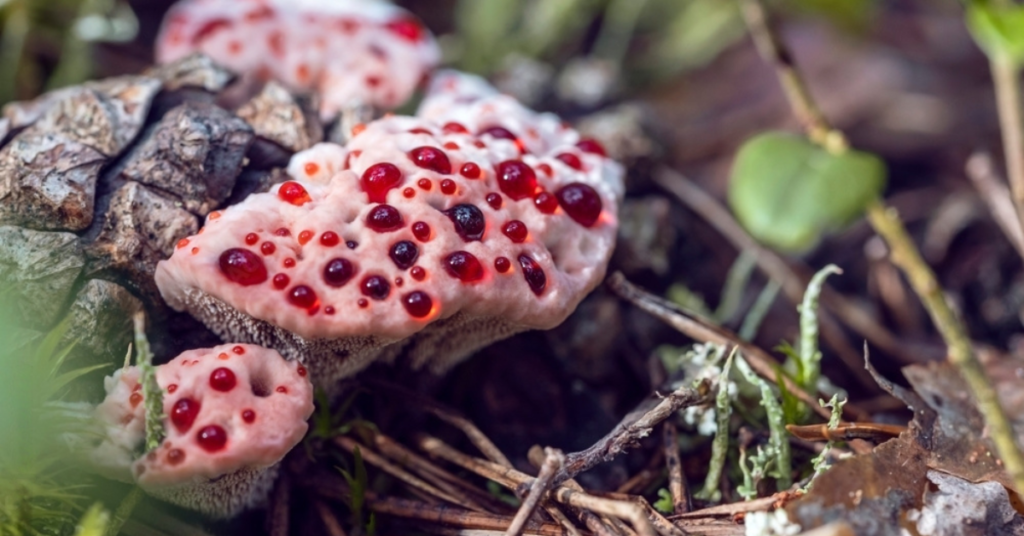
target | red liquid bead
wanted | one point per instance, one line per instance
(134, 399)
(363, 303)
(407, 29)
(399, 282)
(424, 184)
(175, 456)
(301, 370)
(409, 193)
(289, 262)
(305, 237)
(404, 254)
(421, 230)
(223, 380)
(464, 266)
(581, 202)
(281, 281)
(431, 158)
(494, 199)
(283, 231)
(243, 267)
(282, 389)
(249, 416)
(516, 231)
(468, 220)
(338, 271)
(418, 273)
(448, 187)
(502, 264)
(302, 296)
(533, 274)
(181, 243)
(329, 239)
(294, 193)
(183, 414)
(311, 168)
(591, 146)
(454, 128)
(418, 304)
(501, 133)
(268, 248)
(172, 388)
(545, 203)
(384, 219)
(376, 287)
(516, 179)
(451, 146)
(470, 170)
(238, 350)
(571, 160)
(329, 310)
(223, 356)
(420, 131)
(378, 179)
(252, 238)
(545, 169)
(212, 438)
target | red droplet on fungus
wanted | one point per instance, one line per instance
(175, 456)
(379, 179)
(424, 184)
(289, 262)
(212, 438)
(134, 399)
(252, 238)
(283, 231)
(329, 239)
(409, 193)
(431, 158)
(418, 273)
(516, 231)
(447, 187)
(502, 264)
(516, 179)
(303, 296)
(183, 414)
(293, 192)
(384, 219)
(281, 281)
(223, 380)
(243, 267)
(406, 28)
(545, 202)
(181, 243)
(592, 146)
(533, 274)
(571, 160)
(454, 128)
(376, 287)
(494, 200)
(305, 237)
(421, 230)
(268, 248)
(468, 220)
(404, 254)
(249, 416)
(238, 350)
(581, 202)
(464, 266)
(338, 271)
(311, 168)
(418, 304)
(470, 170)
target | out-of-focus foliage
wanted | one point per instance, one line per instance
(998, 28)
(47, 43)
(788, 192)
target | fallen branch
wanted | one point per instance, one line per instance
(552, 462)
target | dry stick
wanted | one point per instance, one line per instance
(475, 436)
(1005, 75)
(758, 359)
(905, 255)
(793, 284)
(552, 462)
(981, 170)
(646, 476)
(378, 461)
(676, 479)
(597, 525)
(511, 479)
(633, 427)
(329, 519)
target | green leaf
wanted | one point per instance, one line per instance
(788, 192)
(998, 29)
(94, 522)
(664, 502)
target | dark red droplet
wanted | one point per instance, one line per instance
(293, 192)
(406, 28)
(351, 244)
(289, 262)
(418, 273)
(570, 160)
(591, 146)
(301, 370)
(494, 199)
(431, 158)
(329, 310)
(545, 202)
(378, 179)
(252, 238)
(468, 220)
(424, 184)
(533, 274)
(419, 130)
(268, 248)
(421, 230)
(516, 179)
(175, 457)
(502, 264)
(172, 388)
(399, 282)
(376, 287)
(581, 202)
(404, 254)
(464, 266)
(248, 416)
(183, 414)
(418, 304)
(238, 350)
(329, 239)
(283, 231)
(243, 267)
(448, 187)
(281, 281)
(501, 133)
(409, 193)
(470, 170)
(223, 379)
(454, 128)
(282, 389)
(338, 271)
(363, 303)
(516, 231)
(384, 219)
(212, 438)
(302, 296)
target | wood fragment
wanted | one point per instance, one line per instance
(677, 485)
(847, 431)
(475, 436)
(594, 523)
(552, 462)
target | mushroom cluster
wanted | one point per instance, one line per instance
(233, 412)
(350, 52)
(477, 218)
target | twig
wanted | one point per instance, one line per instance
(597, 525)
(676, 479)
(981, 170)
(378, 461)
(537, 457)
(728, 510)
(475, 436)
(552, 462)
(757, 358)
(1005, 73)
(638, 482)
(922, 279)
(634, 426)
(329, 519)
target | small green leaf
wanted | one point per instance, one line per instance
(998, 29)
(664, 502)
(788, 192)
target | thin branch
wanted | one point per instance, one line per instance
(1005, 73)
(677, 487)
(552, 462)
(982, 172)
(475, 436)
(597, 525)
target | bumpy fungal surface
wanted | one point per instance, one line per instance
(352, 52)
(475, 220)
(232, 412)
